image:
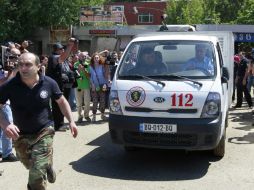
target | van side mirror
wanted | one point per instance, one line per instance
(225, 75)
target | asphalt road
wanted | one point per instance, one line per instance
(92, 162)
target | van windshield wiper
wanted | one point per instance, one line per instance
(142, 77)
(173, 76)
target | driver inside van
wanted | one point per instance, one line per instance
(201, 61)
(149, 63)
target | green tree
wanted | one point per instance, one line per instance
(246, 13)
(19, 19)
(209, 12)
(211, 15)
(228, 10)
(7, 19)
(185, 11)
(110, 1)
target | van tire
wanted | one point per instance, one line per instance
(219, 150)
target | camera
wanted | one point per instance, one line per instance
(84, 65)
(10, 54)
(10, 60)
(76, 41)
(111, 59)
(76, 72)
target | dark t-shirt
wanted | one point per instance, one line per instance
(30, 107)
(241, 68)
(54, 69)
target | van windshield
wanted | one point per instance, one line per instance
(191, 59)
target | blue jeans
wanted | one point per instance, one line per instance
(250, 82)
(72, 99)
(5, 142)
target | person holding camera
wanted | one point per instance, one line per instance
(99, 83)
(5, 142)
(83, 90)
(72, 98)
(59, 69)
(11, 66)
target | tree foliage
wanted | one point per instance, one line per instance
(228, 10)
(211, 16)
(19, 19)
(210, 12)
(185, 11)
(246, 16)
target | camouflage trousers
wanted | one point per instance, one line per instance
(36, 154)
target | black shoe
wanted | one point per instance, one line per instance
(74, 109)
(51, 174)
(10, 158)
(237, 106)
(88, 119)
(63, 128)
(80, 119)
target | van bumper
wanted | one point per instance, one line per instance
(192, 134)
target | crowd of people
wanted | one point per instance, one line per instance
(82, 78)
(34, 95)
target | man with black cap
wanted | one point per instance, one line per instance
(58, 69)
(149, 63)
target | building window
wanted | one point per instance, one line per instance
(117, 8)
(145, 18)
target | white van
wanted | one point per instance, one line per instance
(173, 104)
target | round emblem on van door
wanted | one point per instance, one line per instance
(159, 99)
(136, 96)
(44, 94)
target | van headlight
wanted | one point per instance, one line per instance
(114, 103)
(212, 106)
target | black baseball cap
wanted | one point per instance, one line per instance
(57, 46)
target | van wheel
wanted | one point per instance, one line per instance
(220, 148)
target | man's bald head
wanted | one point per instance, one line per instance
(83, 55)
(30, 56)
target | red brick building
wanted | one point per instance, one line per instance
(142, 13)
(128, 13)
